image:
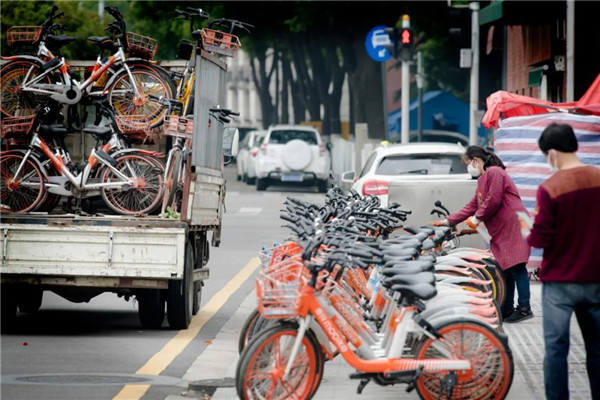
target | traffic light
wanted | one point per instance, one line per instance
(406, 47)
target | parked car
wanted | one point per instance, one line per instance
(293, 154)
(243, 131)
(411, 161)
(246, 158)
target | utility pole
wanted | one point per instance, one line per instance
(101, 10)
(405, 90)
(420, 77)
(474, 98)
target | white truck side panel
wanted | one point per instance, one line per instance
(208, 197)
(107, 251)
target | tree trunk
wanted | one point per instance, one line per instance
(366, 80)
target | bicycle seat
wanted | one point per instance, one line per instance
(406, 243)
(422, 230)
(390, 261)
(394, 270)
(52, 130)
(55, 42)
(425, 265)
(104, 42)
(409, 279)
(410, 251)
(424, 291)
(98, 131)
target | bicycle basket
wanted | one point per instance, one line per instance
(178, 127)
(16, 127)
(136, 128)
(276, 254)
(220, 42)
(278, 289)
(144, 46)
(23, 35)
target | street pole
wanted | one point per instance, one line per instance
(474, 98)
(420, 77)
(570, 61)
(386, 128)
(405, 90)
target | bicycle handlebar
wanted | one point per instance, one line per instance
(231, 24)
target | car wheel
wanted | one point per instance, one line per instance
(251, 181)
(261, 183)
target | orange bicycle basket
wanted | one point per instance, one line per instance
(278, 289)
(16, 127)
(23, 34)
(220, 42)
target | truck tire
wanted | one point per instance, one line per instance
(151, 308)
(8, 307)
(30, 299)
(180, 300)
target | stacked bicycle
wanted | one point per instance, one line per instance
(342, 285)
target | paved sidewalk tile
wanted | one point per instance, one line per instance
(525, 340)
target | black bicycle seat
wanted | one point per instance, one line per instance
(398, 270)
(424, 291)
(52, 130)
(99, 131)
(410, 279)
(104, 42)
(55, 42)
(397, 264)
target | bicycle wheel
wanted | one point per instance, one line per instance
(254, 325)
(15, 102)
(148, 82)
(491, 359)
(171, 179)
(261, 366)
(24, 192)
(140, 198)
(496, 272)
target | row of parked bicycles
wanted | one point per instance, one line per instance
(136, 102)
(401, 304)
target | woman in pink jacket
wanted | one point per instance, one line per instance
(495, 203)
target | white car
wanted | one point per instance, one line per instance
(293, 154)
(246, 158)
(411, 162)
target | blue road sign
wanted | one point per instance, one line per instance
(377, 38)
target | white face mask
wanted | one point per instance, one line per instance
(553, 165)
(475, 172)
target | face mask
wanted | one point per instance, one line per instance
(475, 172)
(554, 166)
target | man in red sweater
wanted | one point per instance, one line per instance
(567, 227)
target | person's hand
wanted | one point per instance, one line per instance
(440, 223)
(472, 222)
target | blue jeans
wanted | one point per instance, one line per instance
(516, 276)
(559, 301)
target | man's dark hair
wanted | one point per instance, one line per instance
(490, 159)
(558, 137)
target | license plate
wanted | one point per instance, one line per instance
(291, 178)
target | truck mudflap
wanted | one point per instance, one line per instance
(108, 248)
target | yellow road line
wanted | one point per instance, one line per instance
(175, 346)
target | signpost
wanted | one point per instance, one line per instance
(376, 42)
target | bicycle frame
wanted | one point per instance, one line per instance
(311, 307)
(80, 181)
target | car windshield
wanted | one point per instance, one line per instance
(424, 164)
(284, 136)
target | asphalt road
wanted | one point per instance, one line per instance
(76, 351)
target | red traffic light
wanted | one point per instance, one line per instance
(406, 36)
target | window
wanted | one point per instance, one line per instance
(285, 135)
(368, 164)
(424, 164)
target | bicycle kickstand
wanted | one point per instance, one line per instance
(414, 380)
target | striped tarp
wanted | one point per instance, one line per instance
(516, 144)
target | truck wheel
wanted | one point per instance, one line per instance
(261, 184)
(181, 292)
(151, 308)
(8, 307)
(30, 299)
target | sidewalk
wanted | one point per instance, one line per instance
(525, 339)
